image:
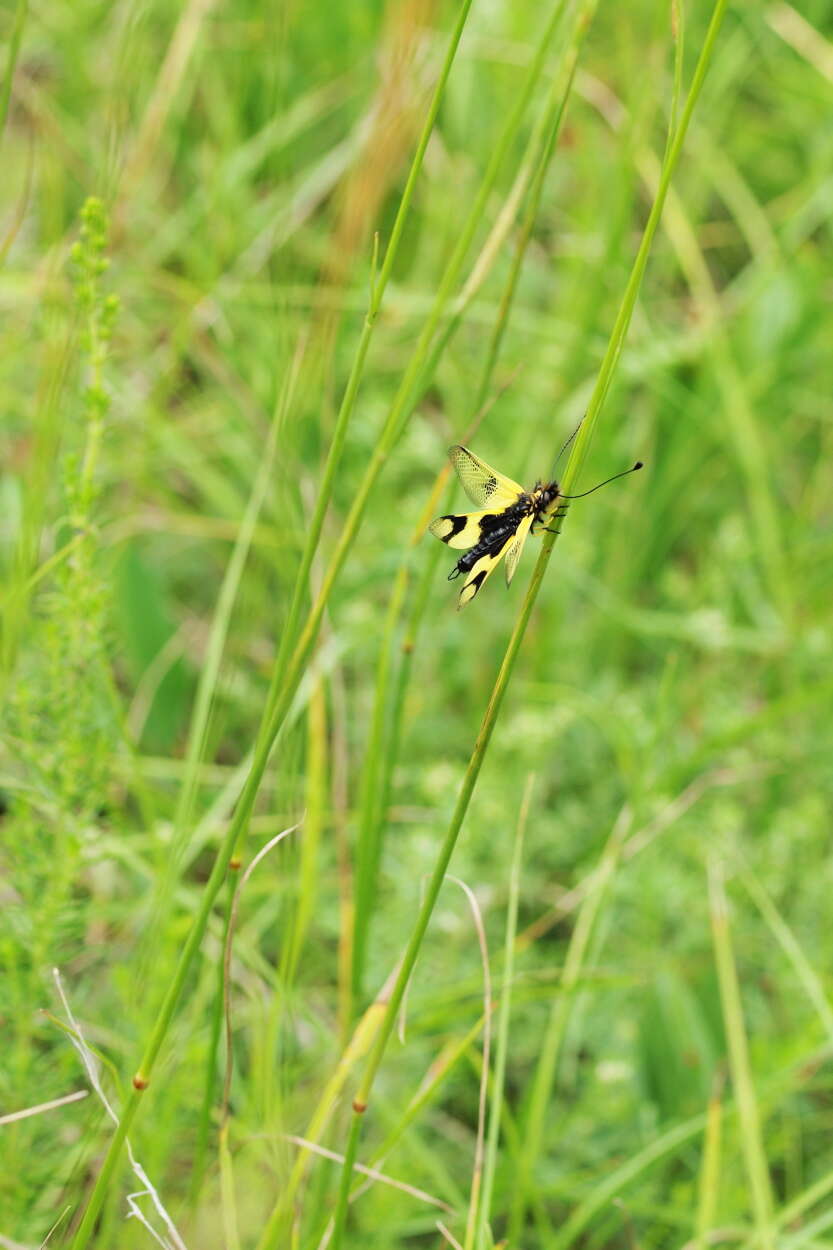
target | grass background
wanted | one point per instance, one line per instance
(671, 698)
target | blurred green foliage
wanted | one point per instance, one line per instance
(676, 675)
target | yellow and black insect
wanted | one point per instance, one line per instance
(510, 514)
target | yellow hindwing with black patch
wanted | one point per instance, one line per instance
(462, 531)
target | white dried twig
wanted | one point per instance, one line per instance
(373, 1173)
(40, 1108)
(173, 1241)
(7, 1244)
(449, 1236)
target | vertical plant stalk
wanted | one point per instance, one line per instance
(379, 762)
(806, 975)
(347, 1169)
(708, 1187)
(476, 1187)
(369, 840)
(438, 1070)
(228, 1203)
(172, 73)
(751, 1139)
(551, 1046)
(231, 924)
(266, 737)
(533, 167)
(579, 453)
(744, 428)
(374, 790)
(552, 125)
(432, 891)
(355, 1050)
(502, 1046)
(11, 61)
(339, 807)
(315, 823)
(530, 217)
(208, 1097)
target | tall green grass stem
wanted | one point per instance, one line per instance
(376, 775)
(543, 1080)
(504, 1013)
(11, 60)
(211, 1061)
(751, 1137)
(581, 444)
(579, 453)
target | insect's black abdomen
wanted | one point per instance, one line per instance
(492, 543)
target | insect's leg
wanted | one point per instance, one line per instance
(558, 515)
(455, 572)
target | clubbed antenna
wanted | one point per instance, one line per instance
(599, 485)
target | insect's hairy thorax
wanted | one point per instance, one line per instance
(544, 497)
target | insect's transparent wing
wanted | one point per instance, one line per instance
(463, 530)
(516, 546)
(481, 570)
(483, 484)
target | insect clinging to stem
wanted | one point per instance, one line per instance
(509, 514)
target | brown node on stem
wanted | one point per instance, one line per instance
(140, 1082)
(359, 1107)
(235, 863)
(408, 646)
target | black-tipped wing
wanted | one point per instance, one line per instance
(483, 569)
(483, 484)
(463, 530)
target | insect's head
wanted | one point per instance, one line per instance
(545, 494)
